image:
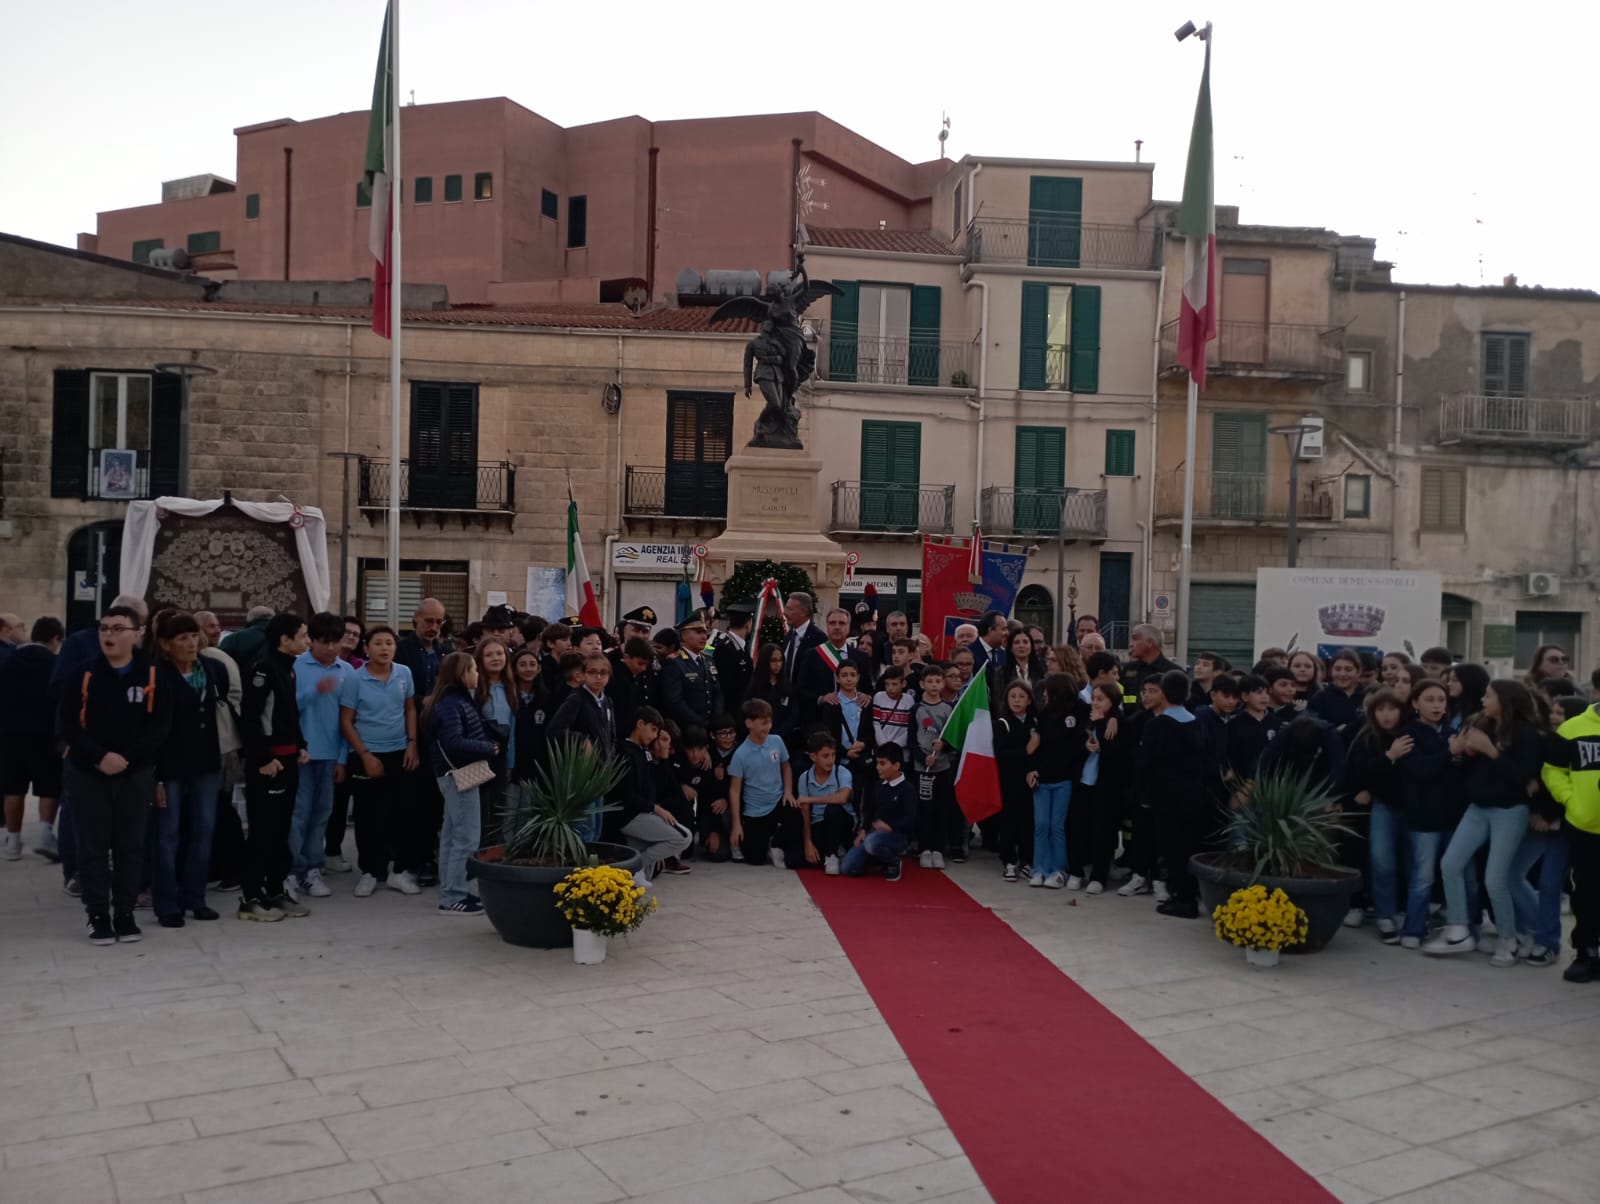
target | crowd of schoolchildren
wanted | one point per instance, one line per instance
(187, 763)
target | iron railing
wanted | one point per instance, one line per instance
(920, 360)
(487, 486)
(900, 509)
(1292, 348)
(679, 491)
(1046, 243)
(1530, 421)
(1070, 513)
(1241, 496)
(119, 475)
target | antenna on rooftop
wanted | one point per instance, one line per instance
(944, 134)
(1138, 150)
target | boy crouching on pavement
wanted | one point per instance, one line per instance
(887, 821)
(824, 794)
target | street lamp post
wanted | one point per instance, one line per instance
(1294, 436)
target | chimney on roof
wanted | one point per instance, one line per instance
(1511, 280)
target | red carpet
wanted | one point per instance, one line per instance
(1051, 1096)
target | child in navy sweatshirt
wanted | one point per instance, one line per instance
(887, 821)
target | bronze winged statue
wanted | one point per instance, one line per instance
(779, 359)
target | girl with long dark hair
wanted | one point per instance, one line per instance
(1373, 781)
(767, 684)
(1016, 739)
(1063, 732)
(497, 700)
(1428, 787)
(1096, 810)
(456, 736)
(534, 709)
(1466, 685)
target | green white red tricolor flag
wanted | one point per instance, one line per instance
(580, 586)
(971, 729)
(1197, 221)
(379, 177)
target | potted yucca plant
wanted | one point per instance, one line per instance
(540, 822)
(1284, 833)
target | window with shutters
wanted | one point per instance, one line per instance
(1060, 344)
(443, 471)
(699, 442)
(142, 249)
(1120, 447)
(1041, 476)
(1238, 465)
(1055, 221)
(1505, 365)
(549, 205)
(891, 475)
(116, 435)
(577, 221)
(452, 188)
(205, 241)
(884, 333)
(252, 207)
(446, 580)
(1444, 500)
(422, 191)
(483, 186)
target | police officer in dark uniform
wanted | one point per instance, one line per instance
(731, 652)
(690, 692)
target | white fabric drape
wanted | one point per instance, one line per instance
(143, 522)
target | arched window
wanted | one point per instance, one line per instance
(1035, 607)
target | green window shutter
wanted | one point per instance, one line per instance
(166, 435)
(142, 249)
(923, 368)
(205, 241)
(423, 190)
(69, 434)
(1035, 330)
(1041, 472)
(1055, 221)
(452, 188)
(891, 471)
(1238, 465)
(1085, 336)
(843, 329)
(1517, 365)
(1119, 453)
(252, 207)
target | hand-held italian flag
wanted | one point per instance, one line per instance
(379, 177)
(971, 729)
(580, 587)
(1197, 221)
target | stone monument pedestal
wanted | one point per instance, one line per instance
(776, 507)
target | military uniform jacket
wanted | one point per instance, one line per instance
(690, 692)
(734, 666)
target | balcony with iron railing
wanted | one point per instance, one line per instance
(1045, 243)
(872, 507)
(1045, 513)
(485, 487)
(1516, 421)
(1241, 498)
(118, 475)
(688, 492)
(848, 355)
(1292, 349)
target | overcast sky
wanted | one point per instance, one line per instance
(1460, 136)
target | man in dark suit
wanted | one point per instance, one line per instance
(690, 694)
(989, 650)
(731, 653)
(815, 673)
(798, 611)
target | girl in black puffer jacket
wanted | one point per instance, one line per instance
(456, 738)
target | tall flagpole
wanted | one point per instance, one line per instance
(395, 194)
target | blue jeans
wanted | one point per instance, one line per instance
(313, 803)
(1384, 837)
(1424, 849)
(1540, 914)
(1050, 801)
(458, 839)
(883, 847)
(1503, 828)
(191, 812)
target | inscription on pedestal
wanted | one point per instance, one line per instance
(772, 499)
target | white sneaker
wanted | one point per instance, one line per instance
(1505, 952)
(1135, 885)
(1353, 917)
(776, 857)
(1487, 944)
(1159, 889)
(45, 843)
(1036, 878)
(1411, 942)
(338, 865)
(366, 886)
(1452, 938)
(1525, 944)
(1094, 888)
(1055, 881)
(1488, 928)
(291, 887)
(1386, 927)
(640, 878)
(925, 859)
(938, 860)
(1075, 882)
(1010, 871)
(12, 849)
(315, 886)
(736, 853)
(404, 882)
(830, 866)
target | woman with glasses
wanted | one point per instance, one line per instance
(1549, 665)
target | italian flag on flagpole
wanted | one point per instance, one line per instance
(580, 587)
(1197, 221)
(971, 729)
(379, 177)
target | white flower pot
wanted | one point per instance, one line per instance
(588, 948)
(1260, 958)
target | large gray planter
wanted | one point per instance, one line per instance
(520, 900)
(1325, 900)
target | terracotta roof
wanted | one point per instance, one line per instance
(894, 242)
(691, 319)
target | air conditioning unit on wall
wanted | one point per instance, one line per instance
(1543, 585)
(1311, 441)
